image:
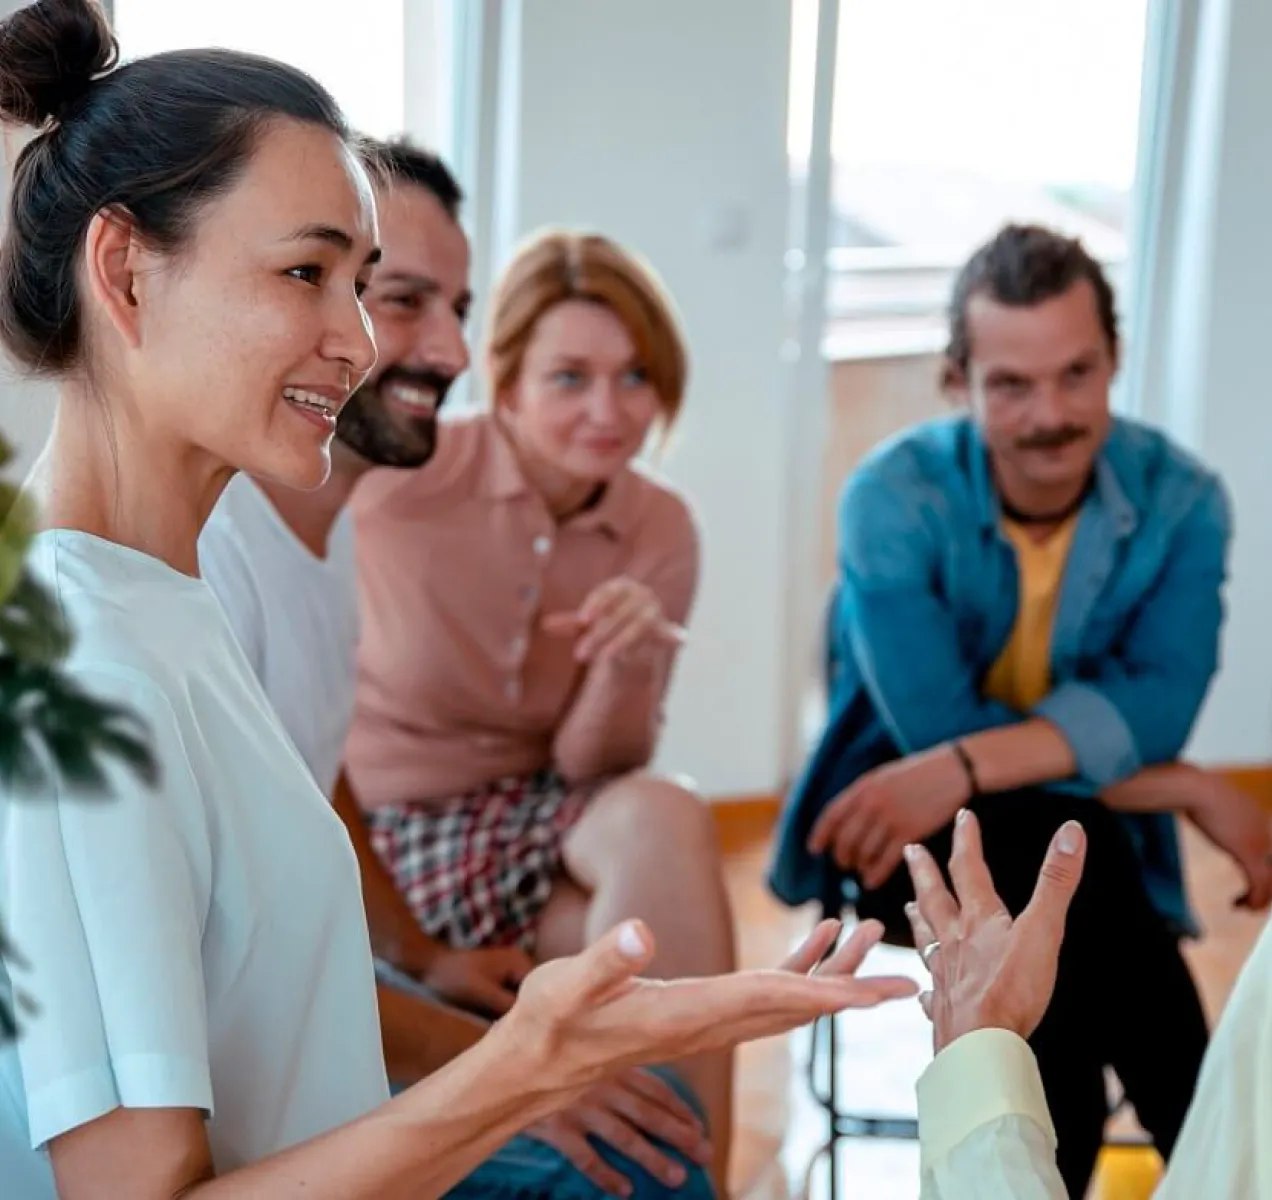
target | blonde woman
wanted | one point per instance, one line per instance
(523, 601)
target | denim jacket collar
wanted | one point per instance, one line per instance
(1108, 497)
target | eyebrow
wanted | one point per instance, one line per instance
(578, 360)
(1084, 358)
(333, 236)
(420, 283)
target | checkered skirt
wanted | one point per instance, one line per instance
(477, 869)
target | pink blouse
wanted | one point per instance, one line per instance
(458, 562)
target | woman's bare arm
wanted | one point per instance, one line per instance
(415, 1147)
(576, 1021)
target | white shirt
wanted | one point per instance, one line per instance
(294, 614)
(985, 1133)
(200, 944)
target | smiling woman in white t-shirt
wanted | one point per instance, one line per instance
(186, 244)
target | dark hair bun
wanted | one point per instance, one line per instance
(50, 53)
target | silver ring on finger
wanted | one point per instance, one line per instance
(927, 953)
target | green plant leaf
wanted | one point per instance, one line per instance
(50, 726)
(12, 999)
(18, 522)
(32, 627)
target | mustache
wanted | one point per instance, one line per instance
(1052, 439)
(430, 379)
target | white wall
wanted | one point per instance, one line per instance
(662, 123)
(26, 415)
(1211, 320)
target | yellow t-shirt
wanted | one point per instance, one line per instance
(1021, 677)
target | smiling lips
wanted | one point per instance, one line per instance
(318, 407)
(420, 402)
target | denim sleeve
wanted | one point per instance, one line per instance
(902, 634)
(1138, 706)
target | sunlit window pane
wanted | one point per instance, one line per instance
(954, 116)
(355, 51)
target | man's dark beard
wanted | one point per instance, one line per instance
(373, 434)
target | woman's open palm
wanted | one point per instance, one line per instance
(591, 1014)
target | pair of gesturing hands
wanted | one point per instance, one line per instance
(587, 1020)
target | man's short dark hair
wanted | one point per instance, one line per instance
(399, 161)
(1024, 265)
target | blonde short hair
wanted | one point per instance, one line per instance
(557, 265)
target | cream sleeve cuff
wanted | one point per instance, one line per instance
(978, 1078)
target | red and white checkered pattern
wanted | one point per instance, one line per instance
(477, 869)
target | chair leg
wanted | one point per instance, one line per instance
(832, 1095)
(825, 1094)
(824, 1048)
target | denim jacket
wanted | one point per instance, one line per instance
(926, 599)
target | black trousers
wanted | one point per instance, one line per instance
(1124, 997)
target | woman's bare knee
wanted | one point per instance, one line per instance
(641, 813)
(562, 925)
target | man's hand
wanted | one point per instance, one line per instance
(484, 981)
(1235, 823)
(866, 827)
(988, 971)
(628, 1113)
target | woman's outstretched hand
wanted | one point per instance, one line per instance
(580, 1019)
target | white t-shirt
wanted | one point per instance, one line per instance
(199, 944)
(294, 614)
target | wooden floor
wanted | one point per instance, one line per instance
(778, 1129)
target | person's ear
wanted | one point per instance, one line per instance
(113, 256)
(507, 399)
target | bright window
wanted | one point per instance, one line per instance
(954, 116)
(355, 51)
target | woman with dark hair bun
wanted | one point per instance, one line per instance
(186, 244)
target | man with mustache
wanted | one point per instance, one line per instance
(283, 565)
(1026, 623)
